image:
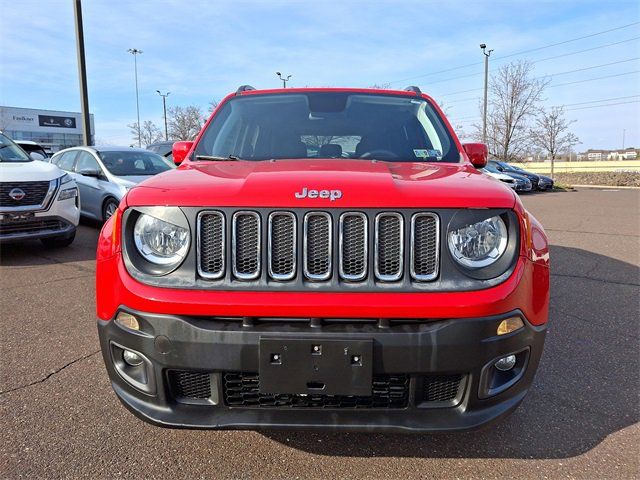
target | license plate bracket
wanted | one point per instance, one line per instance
(315, 366)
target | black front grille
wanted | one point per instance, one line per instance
(317, 235)
(212, 244)
(190, 385)
(241, 389)
(282, 245)
(30, 226)
(246, 245)
(33, 193)
(389, 246)
(325, 248)
(424, 254)
(441, 388)
(353, 246)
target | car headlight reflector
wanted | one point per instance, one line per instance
(479, 244)
(160, 242)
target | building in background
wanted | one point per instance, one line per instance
(54, 130)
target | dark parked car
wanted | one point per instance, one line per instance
(162, 148)
(522, 183)
(504, 167)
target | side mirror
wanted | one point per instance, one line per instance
(180, 150)
(37, 156)
(477, 153)
(90, 173)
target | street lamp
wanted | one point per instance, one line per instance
(135, 52)
(487, 54)
(82, 74)
(284, 80)
(164, 107)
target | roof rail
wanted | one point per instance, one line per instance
(244, 88)
(413, 88)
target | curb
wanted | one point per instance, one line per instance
(606, 186)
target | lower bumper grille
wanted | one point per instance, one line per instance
(32, 226)
(190, 385)
(241, 389)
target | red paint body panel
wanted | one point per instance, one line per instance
(363, 184)
(117, 288)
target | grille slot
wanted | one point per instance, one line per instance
(34, 193)
(389, 246)
(317, 246)
(282, 245)
(353, 246)
(246, 245)
(242, 389)
(441, 388)
(424, 246)
(190, 385)
(211, 238)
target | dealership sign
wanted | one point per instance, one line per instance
(55, 121)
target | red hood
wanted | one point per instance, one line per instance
(362, 183)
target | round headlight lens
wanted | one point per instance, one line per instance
(480, 244)
(160, 242)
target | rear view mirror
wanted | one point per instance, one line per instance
(477, 153)
(180, 150)
(90, 173)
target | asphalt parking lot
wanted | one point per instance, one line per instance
(59, 417)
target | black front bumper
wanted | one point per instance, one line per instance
(406, 358)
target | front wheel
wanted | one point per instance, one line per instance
(109, 208)
(59, 242)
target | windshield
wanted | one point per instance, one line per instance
(10, 152)
(127, 163)
(328, 125)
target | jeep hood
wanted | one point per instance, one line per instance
(363, 183)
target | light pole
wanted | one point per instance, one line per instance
(487, 54)
(82, 73)
(284, 80)
(135, 52)
(164, 107)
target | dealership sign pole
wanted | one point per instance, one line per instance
(82, 73)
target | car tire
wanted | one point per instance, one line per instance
(59, 242)
(108, 208)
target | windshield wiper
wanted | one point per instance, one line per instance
(215, 158)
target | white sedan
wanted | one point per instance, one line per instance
(510, 181)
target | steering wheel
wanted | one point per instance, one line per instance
(379, 152)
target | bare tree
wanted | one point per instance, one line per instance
(185, 122)
(213, 104)
(149, 132)
(551, 134)
(514, 98)
(381, 86)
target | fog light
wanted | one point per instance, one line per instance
(134, 359)
(509, 325)
(506, 363)
(127, 321)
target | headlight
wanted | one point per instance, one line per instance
(68, 193)
(66, 178)
(479, 244)
(160, 242)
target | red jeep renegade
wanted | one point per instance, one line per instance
(323, 258)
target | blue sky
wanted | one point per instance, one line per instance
(201, 50)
